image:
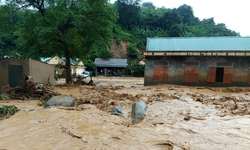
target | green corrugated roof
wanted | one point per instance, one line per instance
(199, 44)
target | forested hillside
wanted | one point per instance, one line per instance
(86, 29)
(139, 21)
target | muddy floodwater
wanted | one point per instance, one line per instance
(178, 117)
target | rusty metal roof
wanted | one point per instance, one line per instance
(110, 62)
(199, 44)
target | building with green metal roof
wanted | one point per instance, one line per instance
(209, 61)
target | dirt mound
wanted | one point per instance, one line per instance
(227, 105)
(105, 98)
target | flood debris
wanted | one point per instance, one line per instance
(81, 80)
(28, 88)
(27, 78)
(104, 98)
(7, 111)
(4, 96)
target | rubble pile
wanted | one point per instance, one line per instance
(29, 89)
(82, 82)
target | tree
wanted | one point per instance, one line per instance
(175, 31)
(170, 18)
(136, 68)
(90, 66)
(98, 51)
(10, 21)
(67, 28)
(187, 13)
(132, 52)
(148, 5)
(128, 11)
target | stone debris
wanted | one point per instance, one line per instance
(116, 111)
(138, 112)
(66, 101)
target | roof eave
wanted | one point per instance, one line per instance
(197, 53)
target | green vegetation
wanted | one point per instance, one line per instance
(6, 111)
(150, 21)
(84, 29)
(90, 66)
(66, 28)
(136, 68)
(132, 51)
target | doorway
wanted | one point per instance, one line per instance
(15, 75)
(219, 74)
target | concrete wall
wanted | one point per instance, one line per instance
(239, 75)
(4, 70)
(40, 71)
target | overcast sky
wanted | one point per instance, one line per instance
(235, 14)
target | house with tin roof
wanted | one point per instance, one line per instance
(77, 66)
(110, 66)
(206, 61)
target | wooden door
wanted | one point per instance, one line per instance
(191, 74)
(211, 75)
(227, 75)
(160, 73)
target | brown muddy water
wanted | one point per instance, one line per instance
(178, 117)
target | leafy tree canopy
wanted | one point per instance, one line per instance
(132, 52)
(66, 28)
(150, 21)
(10, 22)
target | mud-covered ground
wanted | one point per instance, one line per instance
(178, 117)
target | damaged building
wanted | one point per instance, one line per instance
(13, 69)
(201, 61)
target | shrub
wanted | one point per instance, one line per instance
(132, 52)
(136, 68)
